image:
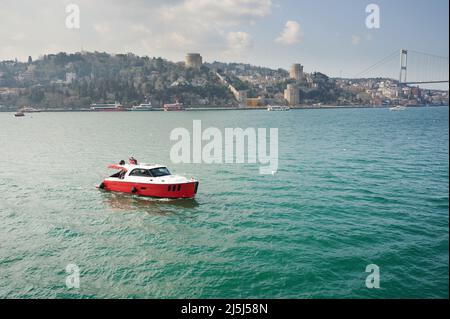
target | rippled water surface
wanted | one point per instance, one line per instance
(354, 187)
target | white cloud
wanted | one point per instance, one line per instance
(238, 43)
(178, 39)
(152, 27)
(173, 41)
(217, 12)
(356, 39)
(291, 34)
(206, 21)
(204, 26)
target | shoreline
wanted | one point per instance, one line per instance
(322, 107)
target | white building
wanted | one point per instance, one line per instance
(70, 77)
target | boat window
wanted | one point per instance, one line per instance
(160, 171)
(116, 174)
(119, 174)
(140, 172)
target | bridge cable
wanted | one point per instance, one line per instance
(375, 65)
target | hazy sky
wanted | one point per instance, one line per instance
(324, 35)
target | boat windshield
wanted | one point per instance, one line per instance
(160, 171)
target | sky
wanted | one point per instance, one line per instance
(329, 36)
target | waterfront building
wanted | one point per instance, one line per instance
(28, 74)
(255, 102)
(292, 95)
(193, 60)
(389, 90)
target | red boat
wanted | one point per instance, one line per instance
(174, 107)
(149, 180)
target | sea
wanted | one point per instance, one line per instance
(360, 196)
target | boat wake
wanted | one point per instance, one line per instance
(129, 202)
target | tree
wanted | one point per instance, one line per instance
(36, 95)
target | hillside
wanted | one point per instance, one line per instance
(77, 80)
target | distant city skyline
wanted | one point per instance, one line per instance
(327, 36)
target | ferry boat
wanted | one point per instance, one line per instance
(29, 109)
(142, 107)
(174, 107)
(278, 108)
(104, 107)
(397, 108)
(149, 180)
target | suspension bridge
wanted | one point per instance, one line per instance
(410, 67)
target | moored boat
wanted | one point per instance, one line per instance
(105, 107)
(149, 180)
(174, 107)
(142, 107)
(29, 109)
(397, 108)
(278, 108)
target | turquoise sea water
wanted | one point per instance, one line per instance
(354, 187)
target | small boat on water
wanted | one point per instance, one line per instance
(278, 108)
(149, 180)
(397, 108)
(19, 114)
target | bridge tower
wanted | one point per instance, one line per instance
(403, 65)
